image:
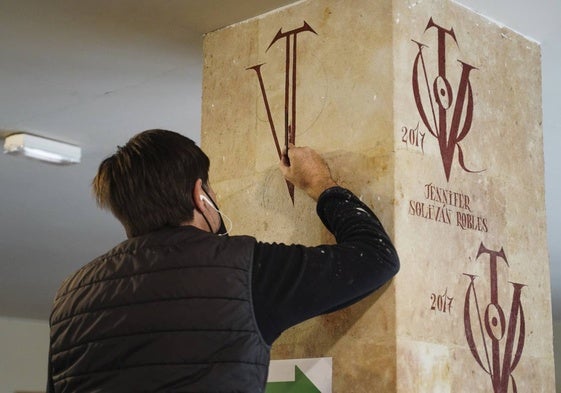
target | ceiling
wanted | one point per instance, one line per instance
(95, 72)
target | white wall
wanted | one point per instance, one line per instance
(24, 347)
(557, 354)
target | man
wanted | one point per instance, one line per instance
(179, 308)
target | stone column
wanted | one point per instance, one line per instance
(432, 115)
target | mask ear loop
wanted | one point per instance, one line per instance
(223, 215)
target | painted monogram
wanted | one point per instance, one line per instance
(495, 344)
(447, 113)
(290, 38)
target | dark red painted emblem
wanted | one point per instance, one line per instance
(290, 38)
(447, 112)
(495, 338)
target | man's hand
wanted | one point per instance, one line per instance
(307, 171)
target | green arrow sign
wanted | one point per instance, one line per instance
(301, 385)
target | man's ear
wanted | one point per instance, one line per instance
(198, 191)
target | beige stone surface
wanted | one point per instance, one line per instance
(504, 143)
(356, 105)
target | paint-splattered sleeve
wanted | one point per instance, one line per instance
(292, 283)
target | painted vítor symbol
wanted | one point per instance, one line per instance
(495, 342)
(447, 113)
(290, 38)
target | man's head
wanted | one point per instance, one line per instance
(148, 183)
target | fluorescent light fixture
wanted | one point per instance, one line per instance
(42, 149)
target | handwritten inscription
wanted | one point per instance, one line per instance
(413, 138)
(441, 302)
(448, 207)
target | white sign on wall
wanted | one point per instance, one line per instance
(300, 376)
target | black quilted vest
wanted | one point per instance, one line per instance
(167, 312)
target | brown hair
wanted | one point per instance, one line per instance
(148, 183)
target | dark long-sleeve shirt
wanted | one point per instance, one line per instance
(292, 283)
